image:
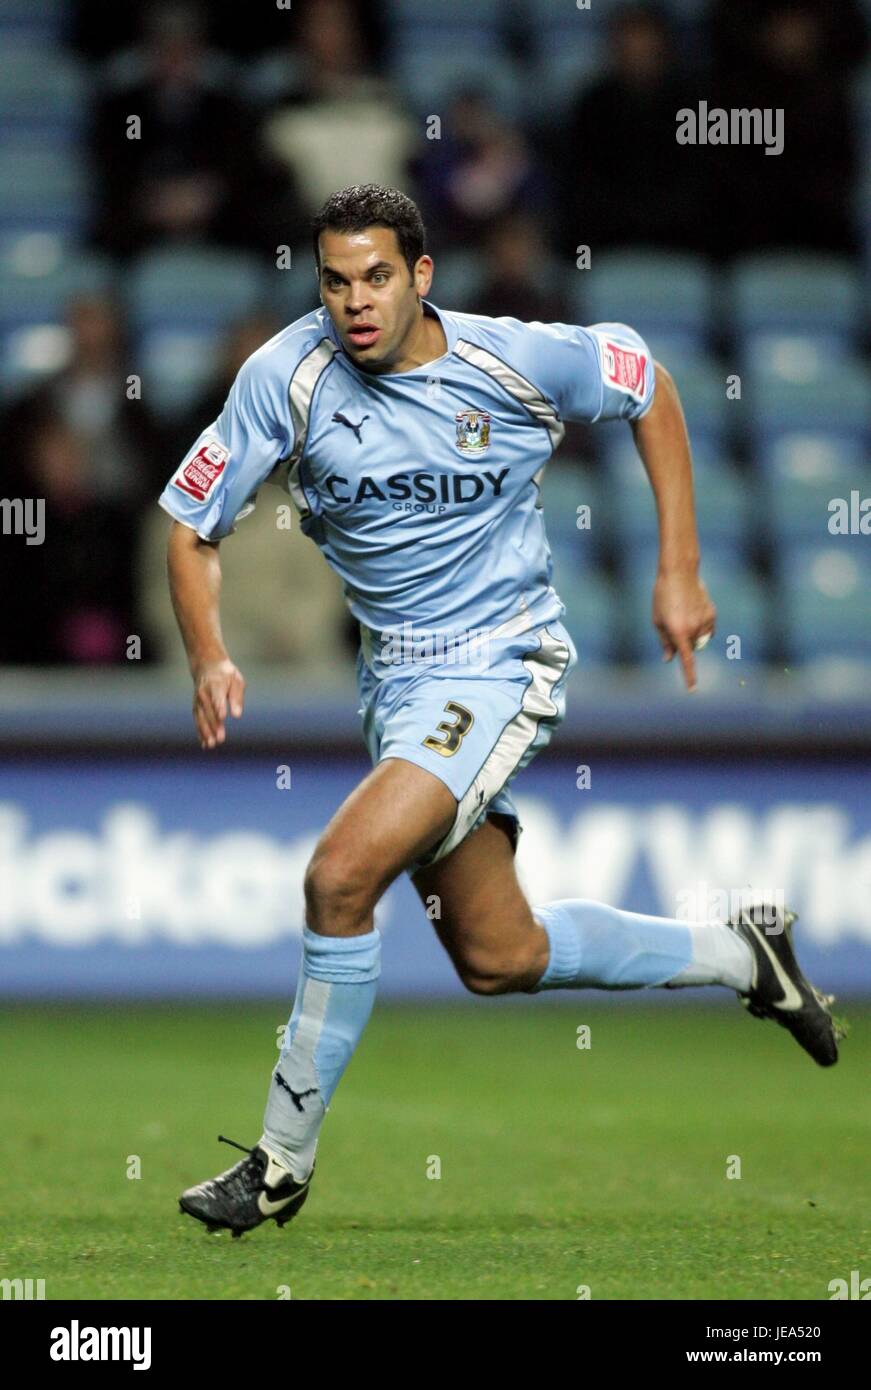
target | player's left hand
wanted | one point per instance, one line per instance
(684, 617)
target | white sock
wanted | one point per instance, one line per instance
(720, 957)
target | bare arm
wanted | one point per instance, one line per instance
(194, 569)
(682, 610)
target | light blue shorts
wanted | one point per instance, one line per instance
(473, 727)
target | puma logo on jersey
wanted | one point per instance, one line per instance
(296, 1096)
(341, 419)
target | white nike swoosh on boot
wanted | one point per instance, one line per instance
(267, 1208)
(792, 1000)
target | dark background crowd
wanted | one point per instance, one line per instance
(552, 135)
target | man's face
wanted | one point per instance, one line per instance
(369, 294)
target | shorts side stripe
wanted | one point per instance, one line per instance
(546, 667)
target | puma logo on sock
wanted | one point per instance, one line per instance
(296, 1096)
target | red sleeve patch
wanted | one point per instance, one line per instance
(624, 369)
(197, 477)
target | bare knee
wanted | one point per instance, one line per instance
(338, 893)
(502, 972)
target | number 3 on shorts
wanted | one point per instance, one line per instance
(454, 732)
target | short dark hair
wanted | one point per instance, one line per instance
(370, 205)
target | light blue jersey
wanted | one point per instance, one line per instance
(421, 488)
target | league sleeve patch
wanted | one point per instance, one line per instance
(623, 369)
(198, 476)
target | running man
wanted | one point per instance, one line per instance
(412, 441)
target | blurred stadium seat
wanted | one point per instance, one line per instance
(181, 302)
(567, 486)
(726, 503)
(798, 322)
(667, 297)
(743, 601)
(459, 276)
(36, 282)
(43, 188)
(429, 81)
(836, 402)
(826, 606)
(795, 314)
(42, 92)
(33, 21)
(593, 606)
(812, 456)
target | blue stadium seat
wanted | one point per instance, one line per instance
(619, 451)
(43, 188)
(806, 454)
(795, 293)
(552, 22)
(801, 483)
(194, 288)
(836, 677)
(558, 76)
(429, 82)
(42, 93)
(711, 418)
(565, 487)
(293, 292)
(445, 39)
(720, 555)
(742, 600)
(796, 356)
(657, 293)
(36, 282)
(459, 276)
(726, 504)
(422, 13)
(181, 304)
(592, 613)
(33, 22)
(836, 402)
(825, 592)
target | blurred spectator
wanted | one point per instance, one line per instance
(193, 171)
(515, 257)
(480, 170)
(80, 444)
(841, 34)
(91, 398)
(69, 599)
(98, 30)
(790, 57)
(281, 604)
(336, 123)
(243, 338)
(625, 180)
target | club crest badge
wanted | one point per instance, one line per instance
(473, 431)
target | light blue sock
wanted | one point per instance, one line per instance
(335, 992)
(594, 946)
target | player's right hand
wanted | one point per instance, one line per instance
(218, 686)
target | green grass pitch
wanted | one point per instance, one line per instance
(561, 1167)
